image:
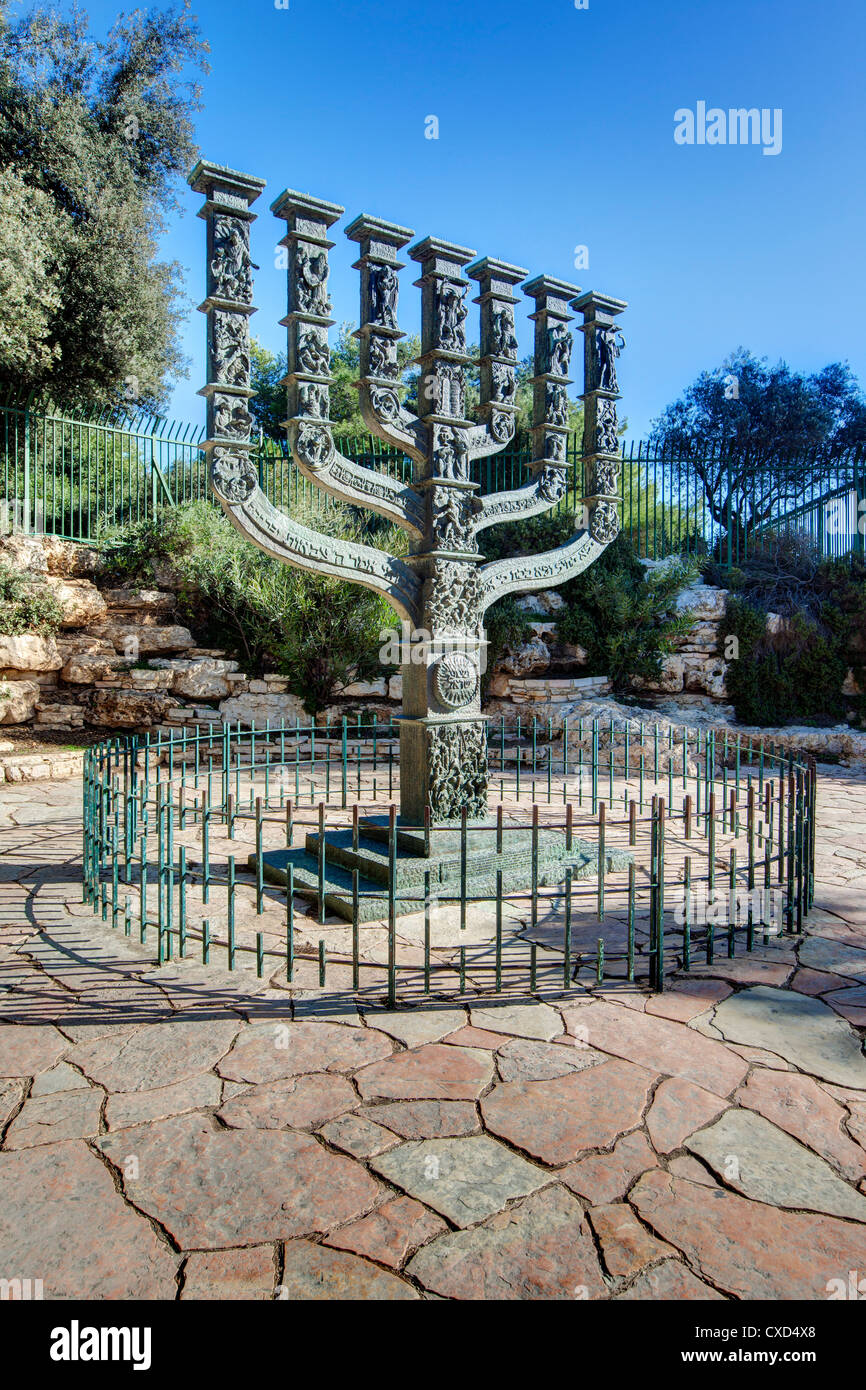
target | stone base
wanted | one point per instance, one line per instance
(443, 865)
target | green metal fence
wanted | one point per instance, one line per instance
(79, 478)
(701, 844)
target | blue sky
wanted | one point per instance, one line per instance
(556, 129)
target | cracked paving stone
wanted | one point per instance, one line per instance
(127, 1108)
(802, 1108)
(659, 1044)
(772, 1167)
(519, 1020)
(212, 1188)
(678, 1109)
(604, 1178)
(319, 1272)
(428, 1119)
(626, 1245)
(390, 1232)
(47, 1119)
(435, 1071)
(29, 1048)
(59, 1078)
(298, 1102)
(358, 1136)
(749, 1249)
(273, 1051)
(823, 953)
(558, 1120)
(230, 1274)
(62, 1221)
(465, 1180)
(155, 1056)
(540, 1249)
(797, 1027)
(11, 1096)
(525, 1059)
(669, 1281)
(416, 1026)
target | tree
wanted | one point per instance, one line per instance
(268, 406)
(758, 439)
(93, 135)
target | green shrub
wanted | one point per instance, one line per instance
(26, 606)
(505, 625)
(313, 629)
(625, 619)
(792, 676)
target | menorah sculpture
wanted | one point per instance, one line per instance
(443, 588)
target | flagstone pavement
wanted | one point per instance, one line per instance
(177, 1132)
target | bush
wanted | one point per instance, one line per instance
(795, 674)
(26, 606)
(313, 629)
(624, 619)
(505, 625)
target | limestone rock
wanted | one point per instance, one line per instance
(128, 709)
(545, 601)
(80, 601)
(28, 653)
(532, 656)
(705, 603)
(256, 708)
(17, 701)
(134, 640)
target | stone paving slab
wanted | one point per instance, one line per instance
(190, 1132)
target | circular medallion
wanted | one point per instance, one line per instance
(455, 680)
(314, 445)
(233, 477)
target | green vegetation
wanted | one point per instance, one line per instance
(312, 629)
(93, 134)
(625, 620)
(26, 606)
(795, 673)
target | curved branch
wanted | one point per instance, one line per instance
(360, 486)
(399, 427)
(538, 495)
(287, 540)
(529, 572)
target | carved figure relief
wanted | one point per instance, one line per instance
(385, 403)
(551, 483)
(447, 386)
(452, 520)
(233, 476)
(382, 357)
(450, 453)
(457, 756)
(384, 287)
(559, 345)
(503, 382)
(231, 268)
(504, 342)
(502, 425)
(555, 404)
(231, 419)
(453, 598)
(451, 314)
(230, 349)
(314, 445)
(606, 437)
(604, 522)
(609, 343)
(313, 353)
(607, 476)
(554, 448)
(313, 399)
(311, 278)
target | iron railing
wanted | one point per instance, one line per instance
(81, 478)
(664, 848)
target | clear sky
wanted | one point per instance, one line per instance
(556, 130)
